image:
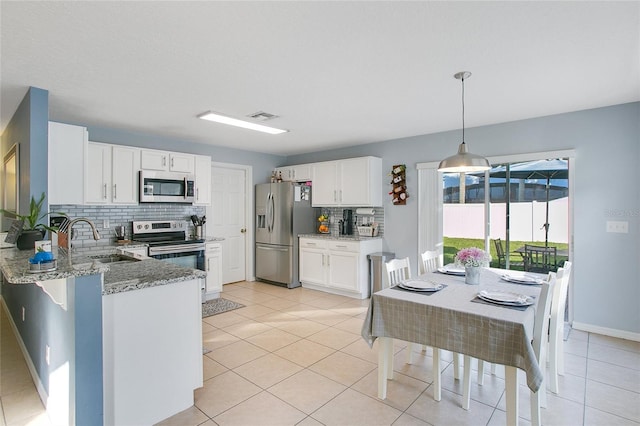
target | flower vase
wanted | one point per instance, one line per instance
(472, 275)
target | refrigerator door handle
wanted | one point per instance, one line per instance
(269, 213)
(273, 208)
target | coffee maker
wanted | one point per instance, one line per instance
(346, 225)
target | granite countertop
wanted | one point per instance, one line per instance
(118, 276)
(338, 237)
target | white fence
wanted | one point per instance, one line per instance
(526, 221)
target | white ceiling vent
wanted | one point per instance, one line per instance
(262, 116)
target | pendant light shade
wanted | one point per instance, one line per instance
(463, 161)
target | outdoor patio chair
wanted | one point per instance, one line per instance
(502, 256)
(540, 259)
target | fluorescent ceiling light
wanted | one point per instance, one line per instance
(212, 116)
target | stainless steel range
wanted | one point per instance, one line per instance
(167, 240)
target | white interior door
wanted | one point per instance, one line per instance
(226, 218)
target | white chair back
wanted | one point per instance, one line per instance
(556, 327)
(540, 334)
(397, 270)
(431, 261)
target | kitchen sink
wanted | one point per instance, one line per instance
(112, 258)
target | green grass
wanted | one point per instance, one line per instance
(453, 245)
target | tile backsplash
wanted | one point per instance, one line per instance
(335, 214)
(121, 215)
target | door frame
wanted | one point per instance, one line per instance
(429, 185)
(249, 270)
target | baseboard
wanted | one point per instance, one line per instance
(612, 332)
(44, 397)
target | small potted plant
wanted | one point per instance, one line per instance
(472, 259)
(32, 231)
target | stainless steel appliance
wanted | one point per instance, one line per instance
(166, 187)
(167, 240)
(283, 211)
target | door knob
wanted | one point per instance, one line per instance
(243, 230)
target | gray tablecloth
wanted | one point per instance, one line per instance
(450, 320)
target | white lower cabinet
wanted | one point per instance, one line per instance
(337, 266)
(213, 266)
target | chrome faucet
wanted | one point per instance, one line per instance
(96, 236)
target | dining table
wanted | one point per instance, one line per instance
(456, 319)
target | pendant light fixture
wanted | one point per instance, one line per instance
(463, 161)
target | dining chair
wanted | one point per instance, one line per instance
(502, 259)
(539, 343)
(397, 271)
(556, 327)
(540, 259)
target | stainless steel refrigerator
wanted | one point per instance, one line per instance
(283, 211)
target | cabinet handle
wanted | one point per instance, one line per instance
(341, 195)
(114, 191)
(311, 244)
(172, 162)
(328, 260)
(197, 194)
(341, 246)
(335, 195)
(292, 174)
(208, 265)
(164, 160)
(105, 191)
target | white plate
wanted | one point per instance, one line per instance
(451, 270)
(506, 298)
(522, 279)
(419, 285)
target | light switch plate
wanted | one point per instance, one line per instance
(621, 227)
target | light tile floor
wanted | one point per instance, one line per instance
(295, 357)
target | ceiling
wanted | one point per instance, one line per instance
(336, 73)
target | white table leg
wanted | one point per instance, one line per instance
(385, 349)
(466, 383)
(437, 375)
(390, 356)
(511, 388)
(456, 366)
(480, 372)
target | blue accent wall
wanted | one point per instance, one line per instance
(29, 129)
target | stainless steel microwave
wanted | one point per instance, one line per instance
(166, 187)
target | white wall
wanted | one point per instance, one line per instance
(607, 145)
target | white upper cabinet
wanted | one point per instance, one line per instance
(124, 175)
(297, 173)
(203, 180)
(111, 174)
(354, 182)
(67, 146)
(151, 159)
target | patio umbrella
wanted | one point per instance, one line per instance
(538, 169)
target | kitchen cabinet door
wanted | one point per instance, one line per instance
(124, 175)
(181, 163)
(312, 266)
(98, 173)
(150, 159)
(355, 182)
(325, 184)
(343, 270)
(67, 148)
(297, 173)
(203, 180)
(213, 265)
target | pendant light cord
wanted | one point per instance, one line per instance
(462, 108)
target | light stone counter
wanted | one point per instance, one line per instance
(118, 277)
(338, 237)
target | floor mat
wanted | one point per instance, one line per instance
(218, 306)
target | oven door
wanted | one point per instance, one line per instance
(180, 255)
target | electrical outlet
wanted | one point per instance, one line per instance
(105, 223)
(47, 354)
(23, 312)
(621, 227)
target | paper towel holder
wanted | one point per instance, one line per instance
(368, 212)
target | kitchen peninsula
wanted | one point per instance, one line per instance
(107, 343)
